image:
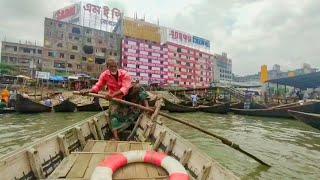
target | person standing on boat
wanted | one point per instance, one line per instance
(48, 102)
(12, 99)
(5, 94)
(194, 99)
(120, 86)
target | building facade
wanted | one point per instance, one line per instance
(222, 68)
(146, 61)
(26, 58)
(72, 49)
(188, 67)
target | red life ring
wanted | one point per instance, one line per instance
(111, 164)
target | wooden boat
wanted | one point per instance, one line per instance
(75, 151)
(280, 111)
(90, 107)
(7, 110)
(172, 107)
(217, 108)
(240, 105)
(26, 105)
(65, 106)
(308, 118)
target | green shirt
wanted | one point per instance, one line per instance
(2, 105)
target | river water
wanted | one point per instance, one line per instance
(290, 147)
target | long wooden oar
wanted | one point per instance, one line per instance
(223, 140)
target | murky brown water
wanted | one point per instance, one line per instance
(291, 147)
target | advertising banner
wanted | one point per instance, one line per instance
(42, 75)
(70, 14)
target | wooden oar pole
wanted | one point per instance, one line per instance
(223, 140)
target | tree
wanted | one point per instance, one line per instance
(6, 69)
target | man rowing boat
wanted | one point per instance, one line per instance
(120, 85)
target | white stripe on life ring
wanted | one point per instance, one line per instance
(112, 163)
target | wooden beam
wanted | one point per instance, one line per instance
(159, 140)
(185, 157)
(35, 163)
(80, 137)
(98, 128)
(93, 129)
(170, 146)
(205, 172)
(63, 145)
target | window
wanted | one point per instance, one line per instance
(161, 55)
(150, 46)
(104, 50)
(39, 51)
(76, 38)
(100, 60)
(178, 62)
(88, 31)
(150, 75)
(176, 82)
(72, 56)
(179, 50)
(149, 53)
(189, 77)
(76, 30)
(50, 54)
(115, 54)
(100, 42)
(74, 47)
(61, 55)
(161, 69)
(149, 60)
(69, 65)
(59, 24)
(89, 40)
(61, 35)
(150, 67)
(137, 66)
(138, 73)
(84, 58)
(180, 69)
(59, 45)
(161, 62)
(78, 66)
(137, 58)
(161, 76)
(188, 64)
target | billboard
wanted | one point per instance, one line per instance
(183, 38)
(70, 14)
(141, 30)
(42, 75)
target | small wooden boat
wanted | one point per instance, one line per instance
(280, 111)
(74, 152)
(26, 105)
(309, 118)
(172, 107)
(217, 108)
(90, 107)
(240, 105)
(7, 110)
(65, 106)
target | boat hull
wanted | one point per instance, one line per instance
(218, 108)
(308, 118)
(7, 110)
(282, 112)
(90, 107)
(171, 107)
(76, 150)
(65, 106)
(25, 105)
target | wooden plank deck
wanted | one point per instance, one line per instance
(80, 165)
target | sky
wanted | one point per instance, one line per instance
(251, 32)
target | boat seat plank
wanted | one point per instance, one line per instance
(88, 146)
(122, 147)
(80, 166)
(64, 167)
(138, 168)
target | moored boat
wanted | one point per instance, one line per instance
(65, 106)
(172, 107)
(90, 107)
(26, 105)
(217, 108)
(75, 151)
(311, 119)
(281, 111)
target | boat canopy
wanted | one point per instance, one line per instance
(305, 81)
(57, 78)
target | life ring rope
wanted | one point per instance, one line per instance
(111, 164)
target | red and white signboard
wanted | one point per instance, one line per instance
(68, 14)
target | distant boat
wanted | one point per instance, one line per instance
(309, 118)
(90, 107)
(218, 108)
(26, 105)
(280, 111)
(65, 106)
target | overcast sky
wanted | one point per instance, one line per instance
(252, 32)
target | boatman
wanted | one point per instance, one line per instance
(194, 99)
(120, 86)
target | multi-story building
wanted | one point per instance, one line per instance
(26, 58)
(146, 61)
(222, 68)
(188, 67)
(72, 49)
